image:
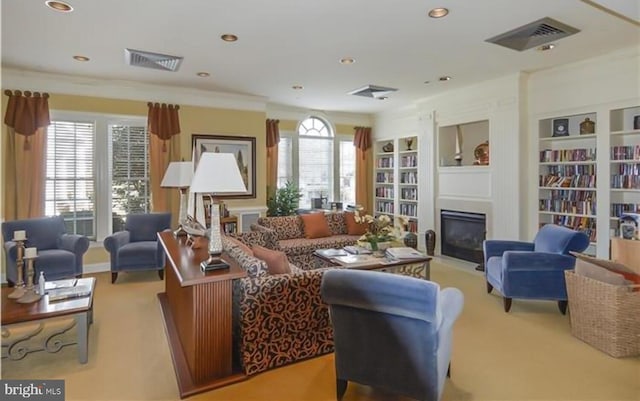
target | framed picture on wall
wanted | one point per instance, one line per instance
(244, 150)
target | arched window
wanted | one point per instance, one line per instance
(320, 162)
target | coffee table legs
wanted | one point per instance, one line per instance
(82, 327)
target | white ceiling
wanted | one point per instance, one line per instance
(297, 42)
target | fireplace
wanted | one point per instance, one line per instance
(462, 234)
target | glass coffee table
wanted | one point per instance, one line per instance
(418, 267)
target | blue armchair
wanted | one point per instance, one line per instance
(391, 332)
(137, 247)
(59, 254)
(533, 270)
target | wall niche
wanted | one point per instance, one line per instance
(464, 144)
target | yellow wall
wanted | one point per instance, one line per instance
(193, 120)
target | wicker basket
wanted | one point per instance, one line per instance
(603, 315)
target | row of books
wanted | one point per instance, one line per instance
(384, 178)
(629, 152)
(626, 169)
(576, 181)
(409, 177)
(567, 155)
(384, 207)
(625, 181)
(409, 161)
(568, 195)
(384, 192)
(384, 162)
(409, 209)
(412, 226)
(565, 170)
(585, 224)
(548, 205)
(409, 193)
(617, 209)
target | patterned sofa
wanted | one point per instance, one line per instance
(278, 319)
(288, 235)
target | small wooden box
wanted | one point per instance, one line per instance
(626, 252)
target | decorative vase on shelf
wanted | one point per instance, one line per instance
(587, 127)
(409, 143)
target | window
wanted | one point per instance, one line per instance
(97, 171)
(130, 191)
(320, 163)
(70, 180)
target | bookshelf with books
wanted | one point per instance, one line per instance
(624, 159)
(567, 173)
(396, 179)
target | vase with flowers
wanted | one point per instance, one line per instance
(381, 230)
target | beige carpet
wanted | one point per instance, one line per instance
(527, 354)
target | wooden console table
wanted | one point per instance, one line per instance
(197, 311)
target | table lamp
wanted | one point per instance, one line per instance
(179, 175)
(217, 173)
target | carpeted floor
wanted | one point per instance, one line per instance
(527, 354)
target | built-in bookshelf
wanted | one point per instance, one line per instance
(624, 159)
(568, 172)
(396, 179)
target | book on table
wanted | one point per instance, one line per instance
(357, 250)
(403, 253)
(69, 292)
(356, 260)
(331, 252)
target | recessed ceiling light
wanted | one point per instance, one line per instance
(382, 97)
(438, 12)
(347, 60)
(81, 58)
(229, 37)
(427, 82)
(203, 74)
(59, 6)
(297, 87)
(546, 47)
(445, 78)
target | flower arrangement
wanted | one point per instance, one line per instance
(380, 229)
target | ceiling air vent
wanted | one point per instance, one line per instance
(156, 61)
(534, 34)
(373, 91)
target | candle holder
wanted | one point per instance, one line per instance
(30, 292)
(19, 291)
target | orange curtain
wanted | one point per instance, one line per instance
(273, 138)
(26, 118)
(364, 168)
(163, 124)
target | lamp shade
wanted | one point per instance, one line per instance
(217, 173)
(178, 175)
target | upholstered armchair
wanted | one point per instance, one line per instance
(59, 254)
(533, 270)
(390, 331)
(137, 246)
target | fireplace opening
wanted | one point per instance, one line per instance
(462, 234)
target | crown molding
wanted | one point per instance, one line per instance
(128, 90)
(284, 112)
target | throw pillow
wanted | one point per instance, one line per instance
(354, 228)
(315, 225)
(236, 242)
(276, 261)
(596, 272)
